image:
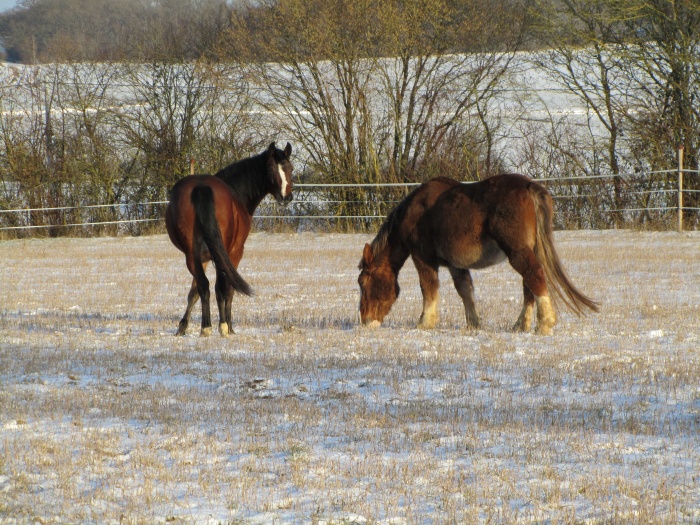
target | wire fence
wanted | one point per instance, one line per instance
(653, 199)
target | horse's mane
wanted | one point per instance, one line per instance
(392, 221)
(246, 177)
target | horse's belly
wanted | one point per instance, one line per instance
(493, 255)
(476, 256)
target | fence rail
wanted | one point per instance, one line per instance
(655, 198)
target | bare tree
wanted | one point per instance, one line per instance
(26, 134)
(581, 59)
(318, 87)
(371, 90)
(663, 50)
(162, 120)
(634, 66)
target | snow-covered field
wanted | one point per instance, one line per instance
(304, 417)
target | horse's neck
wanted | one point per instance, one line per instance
(393, 256)
(388, 243)
(248, 181)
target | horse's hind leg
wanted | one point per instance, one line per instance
(546, 318)
(527, 265)
(192, 297)
(465, 288)
(224, 298)
(524, 322)
(429, 286)
(201, 284)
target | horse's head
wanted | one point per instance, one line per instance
(379, 288)
(279, 170)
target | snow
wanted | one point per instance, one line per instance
(302, 416)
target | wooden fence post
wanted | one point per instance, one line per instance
(680, 188)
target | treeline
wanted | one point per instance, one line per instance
(366, 90)
(43, 31)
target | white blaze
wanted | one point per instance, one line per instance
(283, 180)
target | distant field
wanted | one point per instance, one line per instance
(304, 417)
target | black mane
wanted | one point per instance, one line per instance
(247, 178)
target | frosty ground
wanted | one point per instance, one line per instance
(302, 416)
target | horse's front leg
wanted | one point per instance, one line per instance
(429, 286)
(236, 254)
(228, 304)
(465, 288)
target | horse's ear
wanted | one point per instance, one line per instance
(288, 150)
(367, 254)
(271, 148)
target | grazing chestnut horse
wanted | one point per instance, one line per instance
(464, 227)
(209, 217)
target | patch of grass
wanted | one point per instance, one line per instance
(302, 416)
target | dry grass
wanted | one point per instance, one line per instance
(302, 416)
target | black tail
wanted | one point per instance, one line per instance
(203, 202)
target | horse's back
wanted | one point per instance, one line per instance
(180, 218)
(422, 199)
(469, 224)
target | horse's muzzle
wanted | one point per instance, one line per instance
(367, 322)
(284, 200)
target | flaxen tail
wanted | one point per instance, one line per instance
(554, 272)
(203, 202)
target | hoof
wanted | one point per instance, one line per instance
(223, 329)
(427, 321)
(206, 332)
(520, 327)
(472, 324)
(544, 330)
(181, 329)
(374, 324)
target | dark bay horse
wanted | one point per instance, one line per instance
(209, 217)
(469, 226)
